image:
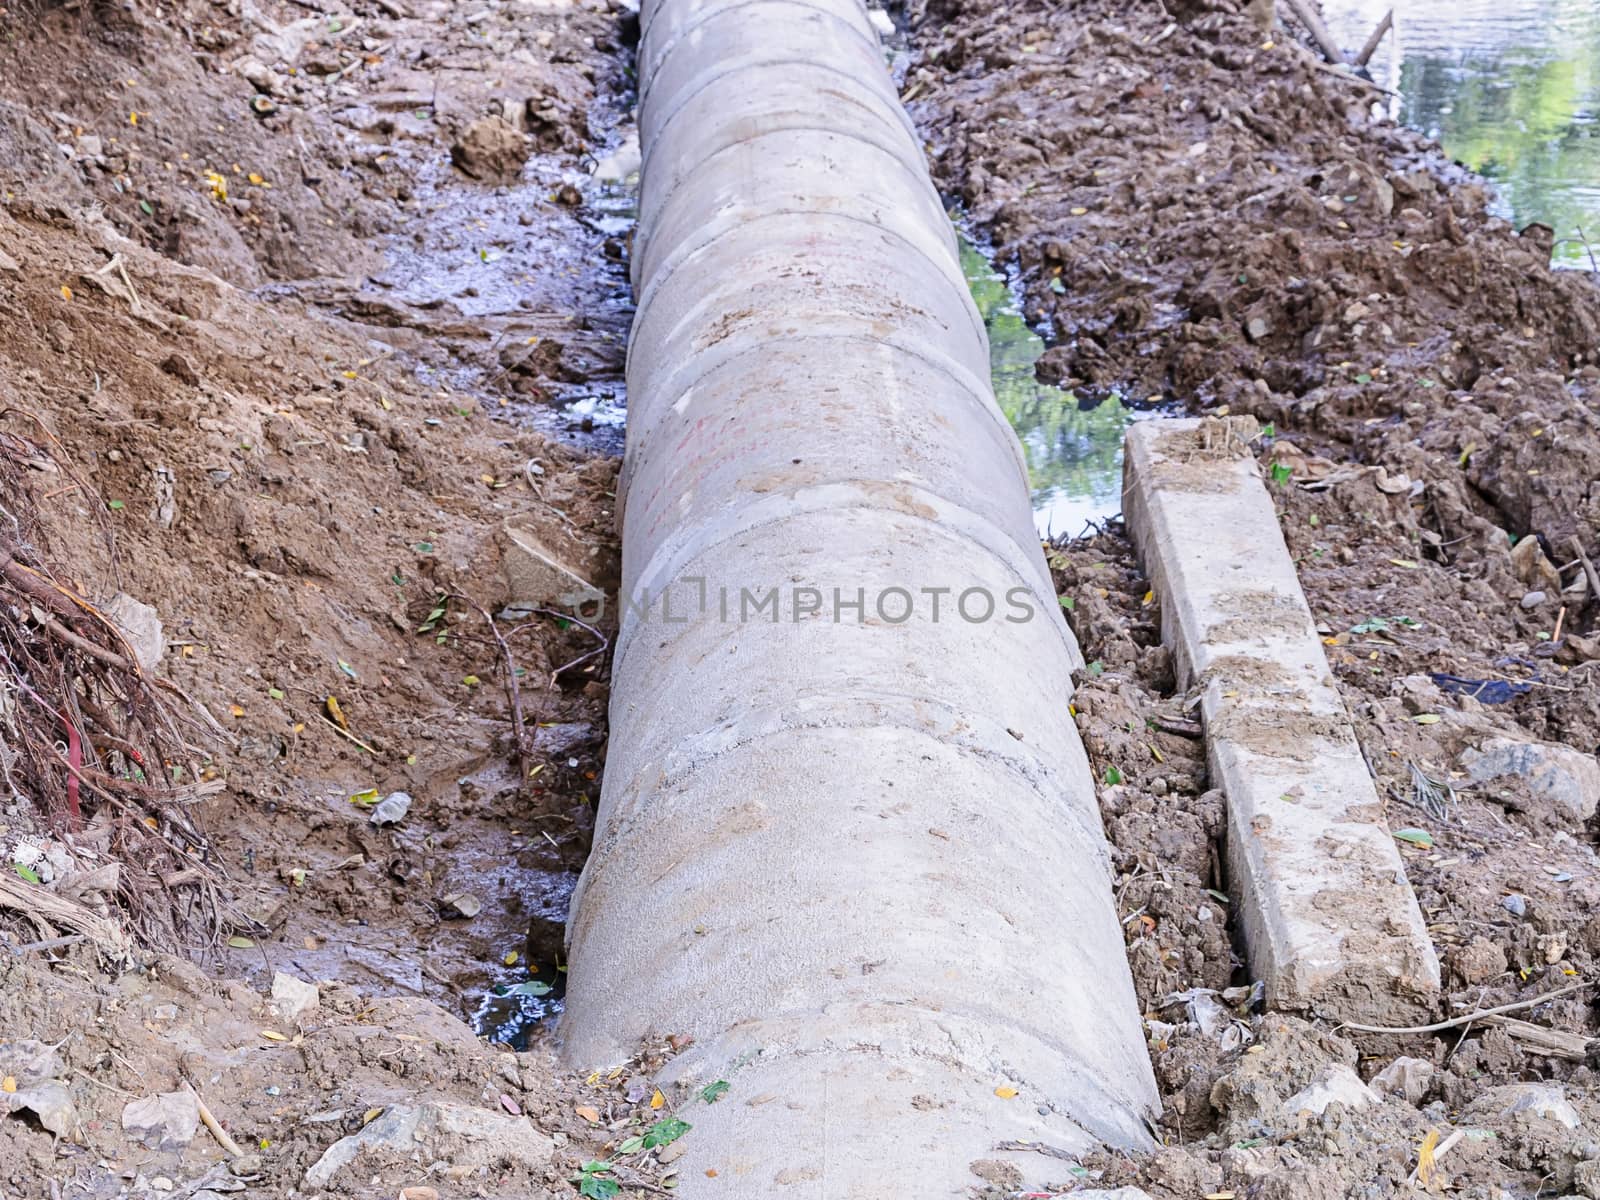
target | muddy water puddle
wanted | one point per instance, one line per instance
(1511, 88)
(1072, 442)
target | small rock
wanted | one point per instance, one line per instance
(467, 1139)
(1334, 1084)
(1479, 961)
(462, 904)
(392, 809)
(90, 146)
(49, 1101)
(671, 1153)
(1562, 775)
(492, 148)
(161, 1184)
(141, 625)
(293, 997)
(1545, 1100)
(165, 1121)
(1516, 904)
(8, 264)
(1586, 1179)
(1532, 599)
(1405, 1077)
(1257, 328)
(419, 1193)
(178, 367)
(246, 1165)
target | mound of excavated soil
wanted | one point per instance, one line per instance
(1198, 214)
(267, 338)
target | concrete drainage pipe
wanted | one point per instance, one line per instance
(848, 840)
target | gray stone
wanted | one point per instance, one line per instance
(1334, 1084)
(1566, 777)
(1533, 599)
(1544, 1100)
(1407, 1078)
(1586, 1179)
(468, 1139)
(164, 1121)
(141, 626)
(293, 997)
(535, 575)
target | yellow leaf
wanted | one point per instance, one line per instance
(371, 1115)
(351, 375)
(1427, 718)
(1404, 562)
(337, 713)
(657, 1099)
(241, 943)
(384, 400)
(589, 1113)
(1005, 1091)
(236, 710)
(471, 680)
(133, 118)
(8, 1084)
(272, 1035)
(485, 478)
(1425, 1164)
(1149, 597)
(1223, 1195)
(510, 959)
(1078, 212)
(66, 292)
(256, 179)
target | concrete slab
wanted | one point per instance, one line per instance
(1329, 921)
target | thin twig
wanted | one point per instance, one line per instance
(1466, 1017)
(230, 1146)
(1373, 42)
(513, 691)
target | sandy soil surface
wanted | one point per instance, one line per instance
(291, 296)
(1199, 215)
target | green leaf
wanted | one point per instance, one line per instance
(1113, 776)
(713, 1092)
(1282, 473)
(1096, 668)
(1057, 286)
(1068, 603)
(423, 547)
(115, 505)
(348, 669)
(665, 1132)
(275, 693)
(144, 207)
(1417, 837)
(597, 1187)
(631, 1145)
(1269, 430)
(1363, 378)
(28, 873)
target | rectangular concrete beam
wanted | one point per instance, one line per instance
(1329, 921)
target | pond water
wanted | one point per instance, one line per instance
(1511, 88)
(1073, 445)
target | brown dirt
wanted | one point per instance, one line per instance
(322, 401)
(1201, 218)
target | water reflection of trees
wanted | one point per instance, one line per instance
(1071, 450)
(1526, 116)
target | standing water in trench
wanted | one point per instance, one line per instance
(1072, 443)
(1510, 88)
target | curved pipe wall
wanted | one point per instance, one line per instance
(854, 853)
